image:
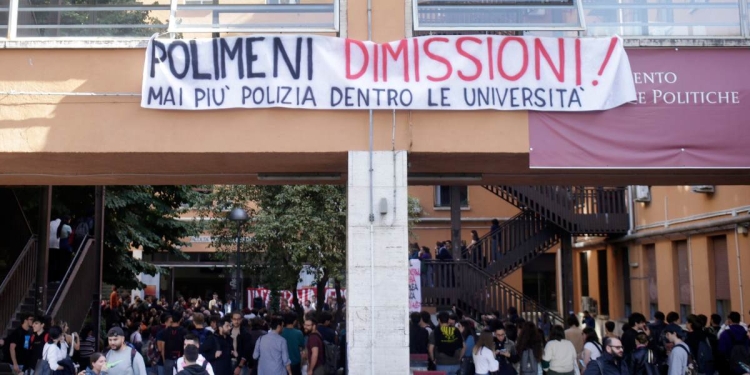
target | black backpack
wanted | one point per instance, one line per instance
(739, 352)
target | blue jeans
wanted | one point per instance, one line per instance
(449, 369)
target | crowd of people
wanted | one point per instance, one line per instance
(508, 345)
(189, 337)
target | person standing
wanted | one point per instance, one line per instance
(505, 350)
(733, 335)
(122, 359)
(19, 344)
(591, 349)
(559, 354)
(574, 333)
(53, 351)
(37, 341)
(588, 320)
(484, 356)
(192, 367)
(185, 361)
(271, 351)
(678, 357)
(295, 342)
(54, 250)
(611, 362)
(316, 356)
(530, 346)
(218, 349)
(98, 364)
(644, 360)
(446, 346)
(172, 342)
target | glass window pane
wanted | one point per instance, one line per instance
(4, 4)
(92, 18)
(443, 196)
(497, 14)
(249, 15)
(662, 18)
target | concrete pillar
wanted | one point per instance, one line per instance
(668, 279)
(377, 264)
(702, 275)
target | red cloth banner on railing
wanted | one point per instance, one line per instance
(303, 294)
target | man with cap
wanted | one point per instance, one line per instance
(122, 359)
(678, 358)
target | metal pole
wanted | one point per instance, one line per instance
(455, 193)
(566, 249)
(99, 256)
(238, 277)
(42, 247)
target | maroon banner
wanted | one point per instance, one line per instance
(692, 111)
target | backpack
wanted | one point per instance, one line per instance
(42, 366)
(705, 358)
(174, 338)
(692, 366)
(332, 357)
(202, 334)
(174, 368)
(133, 352)
(151, 351)
(739, 352)
(529, 364)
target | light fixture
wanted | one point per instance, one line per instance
(238, 215)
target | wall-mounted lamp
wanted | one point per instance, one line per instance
(383, 206)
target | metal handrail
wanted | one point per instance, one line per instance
(16, 285)
(73, 308)
(487, 235)
(65, 278)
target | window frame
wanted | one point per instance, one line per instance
(436, 198)
(579, 10)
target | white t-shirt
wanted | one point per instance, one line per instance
(54, 242)
(561, 355)
(485, 362)
(593, 349)
(201, 360)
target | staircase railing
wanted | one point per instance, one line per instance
(76, 258)
(18, 282)
(72, 302)
(515, 242)
(576, 209)
(461, 283)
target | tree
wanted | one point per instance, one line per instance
(120, 22)
(292, 227)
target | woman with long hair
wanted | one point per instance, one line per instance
(559, 356)
(530, 345)
(53, 351)
(592, 349)
(469, 335)
(484, 356)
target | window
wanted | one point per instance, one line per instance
(683, 271)
(685, 310)
(722, 287)
(143, 18)
(723, 307)
(584, 261)
(570, 18)
(497, 15)
(443, 196)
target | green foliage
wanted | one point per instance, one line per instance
(291, 226)
(143, 217)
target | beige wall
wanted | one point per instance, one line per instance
(681, 202)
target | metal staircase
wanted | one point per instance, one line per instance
(518, 241)
(576, 209)
(474, 291)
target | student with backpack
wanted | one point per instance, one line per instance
(181, 364)
(734, 343)
(699, 345)
(122, 359)
(591, 349)
(191, 362)
(531, 346)
(38, 338)
(679, 358)
(52, 355)
(611, 362)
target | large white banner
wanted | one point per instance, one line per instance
(432, 72)
(415, 285)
